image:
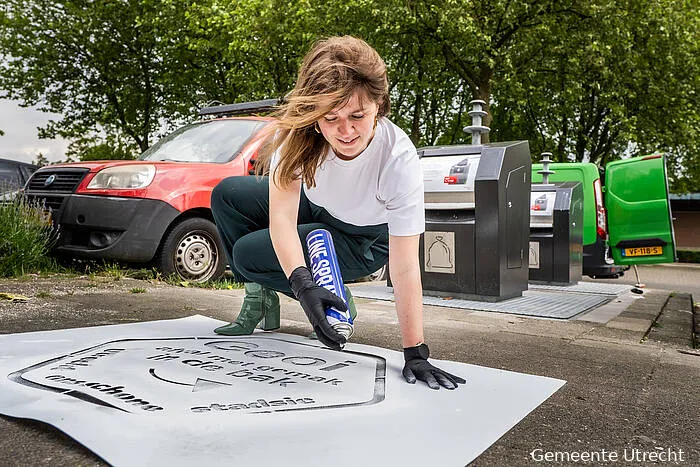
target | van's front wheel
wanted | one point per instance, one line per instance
(193, 251)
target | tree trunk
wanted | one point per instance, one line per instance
(418, 105)
(415, 123)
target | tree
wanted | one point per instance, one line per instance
(41, 160)
(259, 45)
(480, 40)
(584, 80)
(666, 117)
(103, 65)
(622, 79)
(594, 80)
(249, 50)
(98, 149)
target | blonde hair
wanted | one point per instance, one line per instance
(330, 73)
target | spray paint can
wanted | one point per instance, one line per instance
(326, 273)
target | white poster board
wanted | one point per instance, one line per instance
(173, 393)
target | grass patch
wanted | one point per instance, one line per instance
(26, 237)
(138, 290)
(98, 270)
(144, 274)
(225, 283)
(113, 270)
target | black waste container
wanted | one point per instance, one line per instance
(477, 220)
(556, 233)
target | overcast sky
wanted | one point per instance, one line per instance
(20, 140)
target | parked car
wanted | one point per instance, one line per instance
(13, 176)
(155, 209)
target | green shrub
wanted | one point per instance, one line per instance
(688, 256)
(25, 238)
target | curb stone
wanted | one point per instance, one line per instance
(674, 325)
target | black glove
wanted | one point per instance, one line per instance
(417, 367)
(314, 299)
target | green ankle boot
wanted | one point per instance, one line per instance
(351, 308)
(351, 303)
(260, 305)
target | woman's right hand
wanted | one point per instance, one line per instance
(314, 299)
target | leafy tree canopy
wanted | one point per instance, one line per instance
(594, 80)
(103, 65)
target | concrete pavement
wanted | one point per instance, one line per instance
(633, 376)
(681, 277)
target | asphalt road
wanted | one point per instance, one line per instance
(676, 277)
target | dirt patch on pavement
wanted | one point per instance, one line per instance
(34, 302)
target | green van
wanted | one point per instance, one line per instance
(626, 215)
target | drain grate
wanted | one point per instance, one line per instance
(537, 303)
(586, 287)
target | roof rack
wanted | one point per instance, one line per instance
(243, 108)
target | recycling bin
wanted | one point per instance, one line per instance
(477, 220)
(556, 233)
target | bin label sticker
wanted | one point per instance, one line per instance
(439, 252)
(534, 255)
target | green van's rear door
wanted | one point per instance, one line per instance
(639, 211)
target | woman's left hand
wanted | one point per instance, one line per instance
(417, 367)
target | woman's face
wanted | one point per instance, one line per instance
(350, 128)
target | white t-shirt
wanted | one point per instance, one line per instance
(383, 184)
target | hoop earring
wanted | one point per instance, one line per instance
(317, 128)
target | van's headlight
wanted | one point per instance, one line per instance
(123, 177)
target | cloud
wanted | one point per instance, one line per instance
(20, 141)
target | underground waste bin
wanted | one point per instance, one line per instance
(475, 243)
(556, 233)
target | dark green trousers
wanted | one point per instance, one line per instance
(241, 206)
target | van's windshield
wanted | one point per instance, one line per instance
(216, 141)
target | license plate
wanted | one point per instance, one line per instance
(643, 251)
